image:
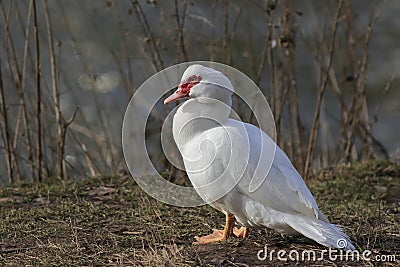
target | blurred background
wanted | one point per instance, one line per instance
(329, 70)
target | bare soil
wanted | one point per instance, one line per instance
(107, 221)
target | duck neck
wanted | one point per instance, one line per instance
(193, 118)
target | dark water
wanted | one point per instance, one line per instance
(105, 42)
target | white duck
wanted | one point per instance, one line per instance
(221, 157)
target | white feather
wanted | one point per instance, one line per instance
(228, 163)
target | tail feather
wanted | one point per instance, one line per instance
(320, 231)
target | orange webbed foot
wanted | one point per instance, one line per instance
(242, 232)
(216, 236)
(220, 235)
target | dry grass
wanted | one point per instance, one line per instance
(111, 221)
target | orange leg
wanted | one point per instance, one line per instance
(242, 232)
(220, 235)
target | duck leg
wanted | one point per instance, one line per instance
(241, 232)
(218, 235)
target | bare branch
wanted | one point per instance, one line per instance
(321, 92)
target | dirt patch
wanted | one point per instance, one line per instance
(110, 221)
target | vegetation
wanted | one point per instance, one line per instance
(68, 69)
(111, 221)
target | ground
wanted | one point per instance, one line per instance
(110, 221)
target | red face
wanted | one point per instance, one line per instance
(183, 89)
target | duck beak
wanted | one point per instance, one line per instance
(178, 94)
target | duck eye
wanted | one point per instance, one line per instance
(193, 78)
